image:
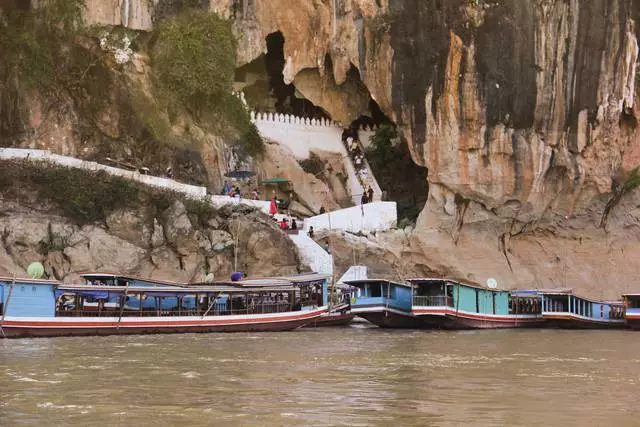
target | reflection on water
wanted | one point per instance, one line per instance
(341, 376)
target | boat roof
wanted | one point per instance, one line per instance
(283, 280)
(364, 281)
(567, 292)
(30, 281)
(99, 275)
(464, 282)
(635, 294)
(203, 289)
(294, 280)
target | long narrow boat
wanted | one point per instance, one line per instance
(338, 313)
(384, 303)
(111, 304)
(562, 309)
(452, 304)
(632, 310)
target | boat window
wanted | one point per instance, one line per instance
(477, 301)
(375, 289)
(392, 291)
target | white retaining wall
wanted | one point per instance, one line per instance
(376, 216)
(302, 135)
(155, 181)
(262, 205)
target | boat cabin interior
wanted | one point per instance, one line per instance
(567, 302)
(632, 301)
(525, 302)
(371, 292)
(75, 301)
(432, 292)
(110, 295)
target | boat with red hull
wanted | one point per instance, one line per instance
(110, 304)
(453, 304)
(562, 309)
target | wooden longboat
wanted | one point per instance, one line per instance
(337, 314)
(632, 310)
(454, 304)
(563, 309)
(384, 303)
(45, 308)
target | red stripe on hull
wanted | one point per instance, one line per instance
(449, 319)
(568, 322)
(19, 329)
(458, 322)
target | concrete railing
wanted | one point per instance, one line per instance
(300, 134)
(376, 216)
(155, 181)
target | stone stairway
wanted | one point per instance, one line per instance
(313, 254)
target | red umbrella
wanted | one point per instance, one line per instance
(273, 209)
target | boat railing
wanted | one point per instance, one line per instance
(220, 309)
(433, 301)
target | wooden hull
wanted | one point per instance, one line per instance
(633, 323)
(331, 319)
(447, 318)
(389, 318)
(54, 327)
(569, 321)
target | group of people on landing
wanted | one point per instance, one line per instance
(285, 225)
(227, 190)
(367, 196)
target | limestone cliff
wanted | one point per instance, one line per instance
(524, 113)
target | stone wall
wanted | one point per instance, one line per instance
(372, 217)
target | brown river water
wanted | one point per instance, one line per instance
(356, 375)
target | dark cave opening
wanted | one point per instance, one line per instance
(266, 89)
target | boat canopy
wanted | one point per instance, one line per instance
(467, 283)
(365, 281)
(125, 278)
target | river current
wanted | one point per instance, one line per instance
(357, 376)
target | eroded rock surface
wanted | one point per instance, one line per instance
(130, 243)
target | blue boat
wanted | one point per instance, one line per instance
(562, 309)
(384, 303)
(113, 304)
(454, 304)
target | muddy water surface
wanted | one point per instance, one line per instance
(337, 376)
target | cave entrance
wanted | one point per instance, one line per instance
(264, 87)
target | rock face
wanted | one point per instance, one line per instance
(524, 112)
(164, 245)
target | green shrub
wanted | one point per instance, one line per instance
(201, 209)
(633, 180)
(381, 151)
(194, 56)
(82, 196)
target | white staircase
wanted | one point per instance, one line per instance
(313, 254)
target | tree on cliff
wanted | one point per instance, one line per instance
(194, 58)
